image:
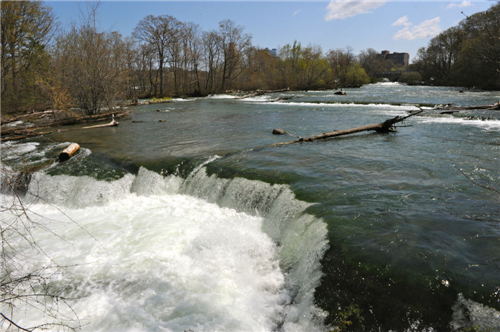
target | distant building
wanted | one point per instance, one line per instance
(273, 52)
(398, 58)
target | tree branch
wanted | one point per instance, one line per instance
(11, 322)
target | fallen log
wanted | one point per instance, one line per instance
(63, 122)
(16, 118)
(28, 134)
(113, 123)
(384, 127)
(69, 152)
(262, 92)
(278, 132)
(493, 107)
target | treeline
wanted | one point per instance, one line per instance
(44, 66)
(464, 55)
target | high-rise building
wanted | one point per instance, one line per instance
(398, 58)
(273, 52)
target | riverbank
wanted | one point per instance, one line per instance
(35, 124)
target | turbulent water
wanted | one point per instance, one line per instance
(195, 223)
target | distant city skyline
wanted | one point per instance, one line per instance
(399, 26)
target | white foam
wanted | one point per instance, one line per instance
(257, 98)
(221, 96)
(485, 124)
(347, 105)
(146, 257)
(303, 238)
(170, 262)
(468, 314)
(387, 84)
(13, 150)
(183, 99)
(73, 191)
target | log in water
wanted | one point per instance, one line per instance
(69, 152)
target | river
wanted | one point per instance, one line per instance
(184, 218)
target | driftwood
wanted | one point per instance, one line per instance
(68, 152)
(494, 107)
(113, 123)
(262, 92)
(16, 118)
(384, 127)
(24, 132)
(278, 132)
(28, 133)
(63, 122)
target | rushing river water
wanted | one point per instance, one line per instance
(184, 218)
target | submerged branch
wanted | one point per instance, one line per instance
(477, 183)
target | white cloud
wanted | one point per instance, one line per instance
(426, 29)
(342, 9)
(459, 5)
(296, 12)
(402, 21)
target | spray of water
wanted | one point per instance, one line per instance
(152, 252)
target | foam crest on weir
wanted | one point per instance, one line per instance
(151, 183)
(164, 262)
(202, 244)
(301, 237)
(76, 191)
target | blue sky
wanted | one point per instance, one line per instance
(397, 26)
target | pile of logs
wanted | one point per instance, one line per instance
(16, 133)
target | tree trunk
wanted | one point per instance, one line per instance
(384, 127)
(160, 69)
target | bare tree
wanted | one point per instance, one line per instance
(371, 61)
(233, 42)
(192, 56)
(162, 33)
(340, 60)
(212, 56)
(91, 62)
